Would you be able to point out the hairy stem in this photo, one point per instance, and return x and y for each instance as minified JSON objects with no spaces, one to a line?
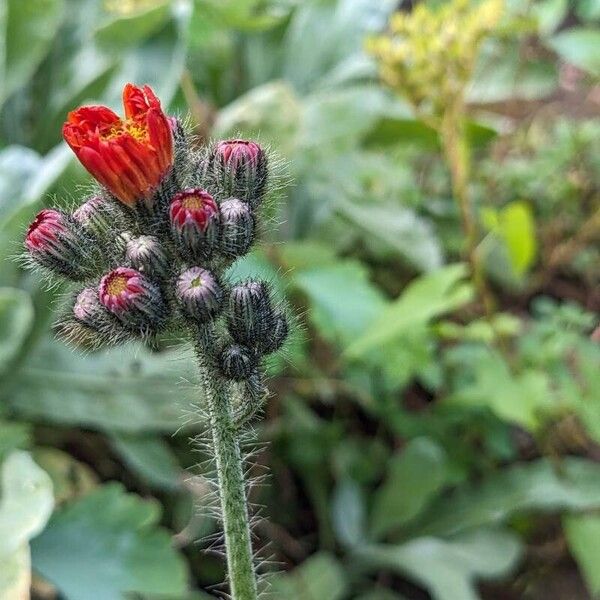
{"x":232,"y":487}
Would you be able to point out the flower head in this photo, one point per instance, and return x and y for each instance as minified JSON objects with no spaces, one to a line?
{"x":120,"y":289}
{"x":195,"y":221}
{"x":133,"y":298}
{"x":129,"y":156}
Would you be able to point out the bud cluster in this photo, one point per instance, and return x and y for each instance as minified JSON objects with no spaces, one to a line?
{"x":428,"y":54}
{"x":151,"y":248}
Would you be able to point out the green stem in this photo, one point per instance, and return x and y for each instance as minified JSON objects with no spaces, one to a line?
{"x":232,"y":487}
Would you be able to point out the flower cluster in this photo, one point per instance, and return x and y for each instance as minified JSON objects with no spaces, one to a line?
{"x":428,"y":54}
{"x":153,"y":244}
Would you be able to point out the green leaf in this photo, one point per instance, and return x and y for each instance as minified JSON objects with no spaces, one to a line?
{"x":501,"y":75}
{"x":517,"y":228}
{"x":425,"y":298}
{"x":390,"y":131}
{"x":448,"y":569}
{"x":348,"y":512}
{"x":572,"y":485}
{"x":107,"y":544}
{"x":343,"y":301}
{"x":130,"y":29}
{"x":16,"y":320}
{"x":579,"y":46}
{"x":126,"y":389}
{"x":18,"y":165}
{"x":320,"y":576}
{"x":26,"y":502}
{"x":151,"y":458}
{"x":521,"y":398}
{"x":271,"y":113}
{"x":588,"y":10}
{"x":583,"y":537}
{"x":30,"y":28}
{"x":13,"y":435}
{"x":413,"y":478}
{"x":550,"y":14}
{"x":401,"y":229}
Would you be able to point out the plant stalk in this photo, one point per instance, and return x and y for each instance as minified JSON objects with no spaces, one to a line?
{"x":231,"y":483}
{"x":458,"y":157}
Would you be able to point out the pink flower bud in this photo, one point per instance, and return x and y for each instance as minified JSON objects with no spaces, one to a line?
{"x":239,"y":169}
{"x":86,"y":306}
{"x":239,"y":153}
{"x":199,"y":294}
{"x":132,"y":297}
{"x":56,"y":242}
{"x":195,"y":222}
{"x":98,"y":216}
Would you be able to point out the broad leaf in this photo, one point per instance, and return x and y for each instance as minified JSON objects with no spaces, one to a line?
{"x":151,"y":458}
{"x":425,"y":298}
{"x":16,"y":319}
{"x":572,"y":485}
{"x":30,"y":28}
{"x":26,"y":502}
{"x":343,"y":301}
{"x":448,"y":569}
{"x":320,"y":576}
{"x":125,"y":389}
{"x":583,"y":537}
{"x":414,"y":477}
{"x":107,"y":544}
{"x":579,"y":46}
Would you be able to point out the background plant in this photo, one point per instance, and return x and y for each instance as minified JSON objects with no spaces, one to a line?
{"x":371,"y":216}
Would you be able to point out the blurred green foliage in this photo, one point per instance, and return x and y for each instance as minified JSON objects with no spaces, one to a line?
{"x":414,"y":444}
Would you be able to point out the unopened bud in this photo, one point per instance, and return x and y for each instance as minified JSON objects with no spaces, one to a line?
{"x":278,"y":334}
{"x":239,"y":168}
{"x":195,"y":223}
{"x":98,"y":215}
{"x":237,"y":227}
{"x":146,"y":254}
{"x":199,"y":294}
{"x":87,"y":308}
{"x":238,"y":362}
{"x":251,"y":317}
{"x":132,"y":298}
{"x":57,"y":242}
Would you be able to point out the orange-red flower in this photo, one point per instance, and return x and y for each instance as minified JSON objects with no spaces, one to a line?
{"x":128,"y":156}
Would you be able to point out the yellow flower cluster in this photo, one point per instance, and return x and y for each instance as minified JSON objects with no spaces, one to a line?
{"x":428,"y":55}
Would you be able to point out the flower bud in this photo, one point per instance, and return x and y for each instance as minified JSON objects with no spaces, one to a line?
{"x":96,"y":215}
{"x":57,"y":242}
{"x":132,"y":298}
{"x":240,"y":170}
{"x":237,"y":227}
{"x":278,"y":334}
{"x":251,"y":317}
{"x":195,"y":223}
{"x":237,"y":362}
{"x":88,"y":310}
{"x":146,"y":254}
{"x":199,"y":294}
